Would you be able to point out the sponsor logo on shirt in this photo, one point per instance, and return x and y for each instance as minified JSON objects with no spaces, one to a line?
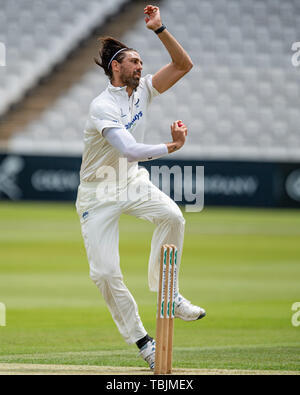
{"x":135,"y":118}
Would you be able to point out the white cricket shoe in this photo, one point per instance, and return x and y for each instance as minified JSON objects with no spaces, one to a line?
{"x":186,"y":311}
{"x":147,"y":352}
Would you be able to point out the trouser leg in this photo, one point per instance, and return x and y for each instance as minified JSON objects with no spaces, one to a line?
{"x":101,"y":237}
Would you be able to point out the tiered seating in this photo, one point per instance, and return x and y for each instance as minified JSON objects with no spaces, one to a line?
{"x":241,"y":99}
{"x":39,"y":34}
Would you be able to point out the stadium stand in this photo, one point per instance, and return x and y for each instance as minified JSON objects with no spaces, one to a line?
{"x":241,"y":99}
{"x":41,"y":33}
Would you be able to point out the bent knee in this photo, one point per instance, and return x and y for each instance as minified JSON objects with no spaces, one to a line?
{"x":100,"y":278}
{"x":175,"y":217}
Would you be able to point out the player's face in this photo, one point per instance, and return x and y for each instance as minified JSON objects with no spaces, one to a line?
{"x":131,"y":69}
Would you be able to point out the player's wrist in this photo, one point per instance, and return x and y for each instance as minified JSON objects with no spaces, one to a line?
{"x":174,"y":146}
{"x":159,"y":29}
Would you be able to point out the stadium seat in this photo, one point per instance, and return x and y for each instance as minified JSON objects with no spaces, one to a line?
{"x":240,"y":99}
{"x":43,"y":35}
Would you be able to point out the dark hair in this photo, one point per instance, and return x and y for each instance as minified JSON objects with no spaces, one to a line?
{"x":109,"y":46}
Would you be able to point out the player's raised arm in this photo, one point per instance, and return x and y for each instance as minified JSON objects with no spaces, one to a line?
{"x":181,"y":62}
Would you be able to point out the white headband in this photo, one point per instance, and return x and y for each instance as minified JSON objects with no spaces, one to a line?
{"x":122,"y":49}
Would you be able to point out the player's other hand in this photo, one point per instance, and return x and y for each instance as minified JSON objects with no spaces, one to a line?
{"x":152,"y":17}
{"x":179,"y":132}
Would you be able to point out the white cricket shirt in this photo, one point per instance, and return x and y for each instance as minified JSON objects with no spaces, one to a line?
{"x":113,"y":108}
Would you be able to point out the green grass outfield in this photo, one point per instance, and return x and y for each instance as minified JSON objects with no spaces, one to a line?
{"x":242,"y":266}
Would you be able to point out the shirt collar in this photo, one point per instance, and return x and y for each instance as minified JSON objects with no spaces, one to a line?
{"x":122,"y":89}
{"x":116,"y":88}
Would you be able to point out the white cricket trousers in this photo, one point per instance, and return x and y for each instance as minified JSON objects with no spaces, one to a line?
{"x":100,"y":229}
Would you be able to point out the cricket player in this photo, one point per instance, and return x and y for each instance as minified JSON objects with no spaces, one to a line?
{"x":114,"y":133}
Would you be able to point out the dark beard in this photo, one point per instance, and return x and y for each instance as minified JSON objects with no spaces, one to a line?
{"x":131,"y":82}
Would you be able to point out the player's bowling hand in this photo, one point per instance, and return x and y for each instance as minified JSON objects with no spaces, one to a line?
{"x":179,"y":132}
{"x":152,"y":17}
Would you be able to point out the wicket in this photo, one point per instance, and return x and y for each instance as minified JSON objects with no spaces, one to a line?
{"x":165,"y":310}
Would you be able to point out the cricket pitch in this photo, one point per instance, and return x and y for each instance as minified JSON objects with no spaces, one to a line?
{"x":41,"y":369}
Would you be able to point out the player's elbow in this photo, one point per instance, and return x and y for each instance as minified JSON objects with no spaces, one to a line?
{"x":190,"y":66}
{"x":129,"y":155}
{"x":185,"y":67}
